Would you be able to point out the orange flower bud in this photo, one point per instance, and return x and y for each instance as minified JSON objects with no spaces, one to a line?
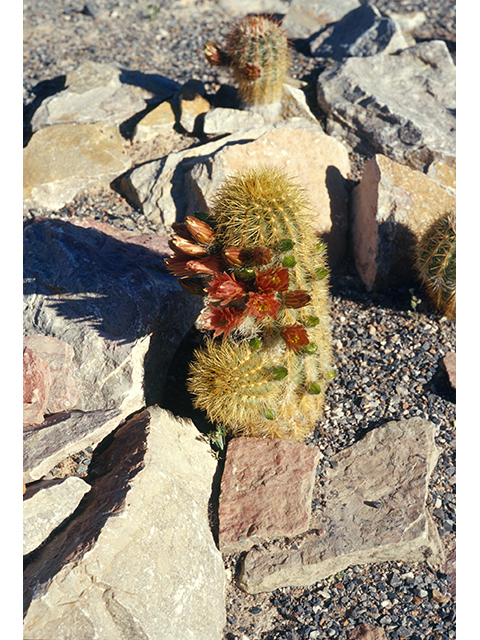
{"x":180,"y":246}
{"x":201,"y":231}
{"x":297,"y":299}
{"x":193,"y":285}
{"x":261,"y":255}
{"x":235,"y":256}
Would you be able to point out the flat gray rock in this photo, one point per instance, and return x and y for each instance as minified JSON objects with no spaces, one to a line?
{"x":107,"y":294}
{"x":306,"y":17}
{"x":46,"y":506}
{"x":376,"y":496}
{"x":138,"y":560}
{"x":402,"y":106}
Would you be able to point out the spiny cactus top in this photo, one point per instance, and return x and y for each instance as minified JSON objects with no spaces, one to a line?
{"x":257,"y":51}
{"x":436,"y":254}
{"x":256,"y":258}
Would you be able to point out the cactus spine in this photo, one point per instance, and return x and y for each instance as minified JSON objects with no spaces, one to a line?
{"x":436,"y":263}
{"x":265,"y":370}
{"x":257,"y":51}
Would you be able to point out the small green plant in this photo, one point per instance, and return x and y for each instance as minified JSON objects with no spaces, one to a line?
{"x":265,"y":366}
{"x":257,"y":51}
{"x":218,"y":440}
{"x":152,"y":11}
{"x":414,"y":303}
{"x":435,"y":261}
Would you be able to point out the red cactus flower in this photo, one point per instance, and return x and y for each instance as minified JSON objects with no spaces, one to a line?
{"x":295,"y":336}
{"x":297,"y":299}
{"x":183,"y":265}
{"x":261,"y":255}
{"x":222,"y":319}
{"x":180,"y":245}
{"x":201,"y":231}
{"x":272,"y":280}
{"x":224,"y":288}
{"x":235,"y":256}
{"x":262,"y":304}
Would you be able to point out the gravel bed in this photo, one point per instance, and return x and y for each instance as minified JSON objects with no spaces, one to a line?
{"x":388,"y":346}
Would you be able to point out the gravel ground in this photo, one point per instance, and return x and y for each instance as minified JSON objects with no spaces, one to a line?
{"x":388,"y":348}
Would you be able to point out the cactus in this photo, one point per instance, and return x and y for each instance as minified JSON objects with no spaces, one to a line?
{"x":436,"y":263}
{"x":257,"y":51}
{"x":265,"y":369}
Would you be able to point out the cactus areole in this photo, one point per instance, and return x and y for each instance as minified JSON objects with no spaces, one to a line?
{"x":265,"y":366}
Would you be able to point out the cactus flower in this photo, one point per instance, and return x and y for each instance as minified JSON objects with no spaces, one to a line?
{"x":272,"y":280}
{"x":200,"y":230}
{"x":181,"y":246}
{"x":193,"y":285}
{"x":261,"y":255}
{"x":261,"y":305}
{"x":224,"y":288}
{"x":297,"y":299}
{"x":222,"y":319}
{"x":235,"y":256}
{"x":295,"y":336}
{"x":183,"y":265}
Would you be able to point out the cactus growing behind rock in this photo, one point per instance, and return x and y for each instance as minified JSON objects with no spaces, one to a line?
{"x":257,"y":51}
{"x":436,"y":263}
{"x":265,"y":370}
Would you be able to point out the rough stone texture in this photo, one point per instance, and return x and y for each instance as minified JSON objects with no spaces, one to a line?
{"x":391,"y":208}
{"x":48,"y":443}
{"x":306,"y":17}
{"x":64,"y":390}
{"x":402,"y":106}
{"x":367,"y":632}
{"x":319,"y":164}
{"x":450,"y":364}
{"x":450,"y":568}
{"x":221,"y":120}
{"x":376,"y":496}
{"x":445,"y":174}
{"x":37,"y":380}
{"x":107,"y":294}
{"x":361,"y":32}
{"x":46,"y":506}
{"x":266,"y":491}
{"x":158,"y":187}
{"x":97,"y":92}
{"x":61,"y":161}
{"x":157,"y":122}
{"x":139,"y":561}
{"x":243,"y":7}
{"x":192,"y":104}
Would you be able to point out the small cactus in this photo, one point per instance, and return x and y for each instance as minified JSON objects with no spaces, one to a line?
{"x":436,"y":263}
{"x":257,"y":51}
{"x":265,"y":369}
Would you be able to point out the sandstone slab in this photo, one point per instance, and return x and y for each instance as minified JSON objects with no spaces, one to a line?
{"x":157,"y":122}
{"x":391,"y":208}
{"x":450,"y":363}
{"x":97,"y":92}
{"x":376,"y":495}
{"x":107,"y":294}
{"x":139,"y":560}
{"x":402,"y":106}
{"x":364,"y":31}
{"x":58,"y":436}
{"x":306,"y":17}
{"x":37,"y":380}
{"x":46,"y":506}
{"x":224,"y":120}
{"x":64,"y":390}
{"x":192,"y":104}
{"x":266,"y":491}
{"x":61,"y":161}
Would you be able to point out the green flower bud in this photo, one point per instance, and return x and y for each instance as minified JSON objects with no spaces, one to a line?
{"x":285,"y":245}
{"x":255,"y":344}
{"x":314,"y":388}
{"x":270,"y":414}
{"x":311,"y":321}
{"x":310,"y":348}
{"x":289,"y":261}
{"x":279,"y":373}
{"x":321,"y":273}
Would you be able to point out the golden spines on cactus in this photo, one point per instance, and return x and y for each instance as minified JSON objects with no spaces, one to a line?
{"x":436,"y":263}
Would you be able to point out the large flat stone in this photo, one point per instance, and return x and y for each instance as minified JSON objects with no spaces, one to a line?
{"x":376,"y":496}
{"x":266,"y":491}
{"x":306,"y":17}
{"x":391,"y":209}
{"x":138,"y":560}
{"x":402,"y":106}
{"x":107,"y":294}
{"x":62,"y":160}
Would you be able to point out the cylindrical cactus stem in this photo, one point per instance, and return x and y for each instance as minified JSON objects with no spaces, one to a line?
{"x":257,"y":51}
{"x":436,"y":263}
{"x":266,"y":370}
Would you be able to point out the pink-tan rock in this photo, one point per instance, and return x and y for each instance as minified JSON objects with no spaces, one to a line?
{"x":391,"y":208}
{"x":266,"y":491}
{"x":37,"y":380}
{"x":450,"y":364}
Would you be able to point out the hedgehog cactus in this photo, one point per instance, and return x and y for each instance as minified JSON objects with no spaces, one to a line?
{"x":257,"y":51}
{"x":436,"y":263}
{"x":264,"y":370}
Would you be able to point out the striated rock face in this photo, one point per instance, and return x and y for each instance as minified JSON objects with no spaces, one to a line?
{"x":376,"y":495}
{"x":139,"y":561}
{"x":37,"y":381}
{"x":106,"y":293}
{"x":61,"y":161}
{"x":266,"y":491}
{"x":391,"y":208}
{"x":402,"y":106}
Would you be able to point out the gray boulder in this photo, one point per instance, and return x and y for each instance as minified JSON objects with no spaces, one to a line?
{"x":376,"y":511}
{"x":107,"y":294}
{"x":306,"y":17}
{"x":402,"y":106}
{"x":138,"y":560}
